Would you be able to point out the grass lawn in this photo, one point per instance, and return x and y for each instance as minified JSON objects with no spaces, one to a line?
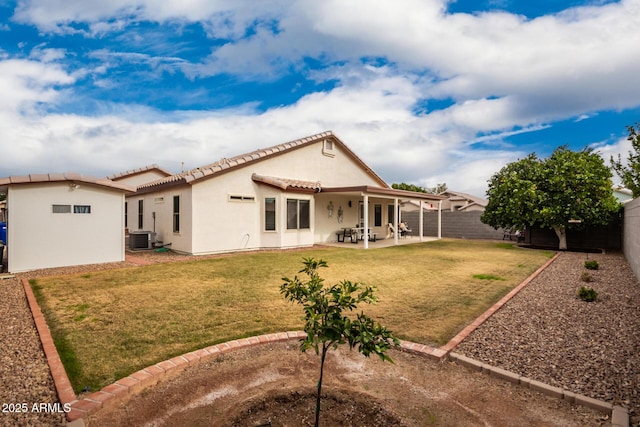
{"x":109,"y":324}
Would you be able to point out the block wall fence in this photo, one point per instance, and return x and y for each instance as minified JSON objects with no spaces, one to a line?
{"x":631,"y":235}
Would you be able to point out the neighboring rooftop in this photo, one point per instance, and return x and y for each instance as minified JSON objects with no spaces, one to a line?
{"x":153,"y":167}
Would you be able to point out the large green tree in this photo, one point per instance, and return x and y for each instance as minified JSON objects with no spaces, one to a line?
{"x":630,"y":171}
{"x":568,"y":189}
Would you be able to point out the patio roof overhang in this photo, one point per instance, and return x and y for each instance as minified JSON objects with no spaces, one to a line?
{"x":388,"y":193}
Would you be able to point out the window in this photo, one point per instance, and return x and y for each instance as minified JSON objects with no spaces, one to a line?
{"x":327,"y":148}
{"x":140,"y":214}
{"x":377,"y":215}
{"x":390,"y":216}
{"x":238,"y":198}
{"x":176,"y":214}
{"x":298,"y":214}
{"x":61,"y":209}
{"x":270,"y":214}
{"x":82,"y":209}
{"x":126,"y":210}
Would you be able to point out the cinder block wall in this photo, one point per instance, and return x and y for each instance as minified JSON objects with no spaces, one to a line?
{"x":631,"y":237}
{"x":456,"y":224}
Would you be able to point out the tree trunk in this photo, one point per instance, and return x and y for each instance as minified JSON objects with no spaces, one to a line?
{"x":322,"y":357}
{"x":561,"y":232}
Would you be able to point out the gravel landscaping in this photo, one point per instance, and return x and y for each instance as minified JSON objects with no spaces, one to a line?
{"x":548,"y":334}
{"x":545,"y":333}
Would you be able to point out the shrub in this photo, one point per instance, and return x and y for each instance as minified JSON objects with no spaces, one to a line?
{"x":586,"y":277}
{"x":591,"y":265}
{"x":587,"y":294}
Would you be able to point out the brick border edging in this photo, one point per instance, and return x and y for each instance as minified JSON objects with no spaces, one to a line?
{"x":60,"y":378}
{"x":453,"y":343}
{"x":619,"y":415}
{"x":118,"y":391}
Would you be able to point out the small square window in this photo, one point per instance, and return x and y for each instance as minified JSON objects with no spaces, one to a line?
{"x":61,"y":208}
{"x":82,"y":209}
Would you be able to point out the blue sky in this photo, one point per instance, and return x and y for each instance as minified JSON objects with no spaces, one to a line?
{"x":424,"y":91}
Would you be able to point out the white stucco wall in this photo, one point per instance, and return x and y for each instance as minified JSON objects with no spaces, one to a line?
{"x":161,"y":203}
{"x":40,"y":238}
{"x":631,"y":239}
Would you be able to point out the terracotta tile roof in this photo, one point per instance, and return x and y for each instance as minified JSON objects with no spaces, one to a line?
{"x":226,"y":164}
{"x":67,"y":176}
{"x":154,"y":166}
{"x":288,"y":184}
{"x":458,"y":196}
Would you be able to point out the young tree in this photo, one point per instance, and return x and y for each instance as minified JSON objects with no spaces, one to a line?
{"x":567,"y":187}
{"x":630,"y":172}
{"x":325,"y":324}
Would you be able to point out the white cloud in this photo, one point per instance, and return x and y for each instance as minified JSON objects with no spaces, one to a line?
{"x":24,"y":84}
{"x":506,"y":73}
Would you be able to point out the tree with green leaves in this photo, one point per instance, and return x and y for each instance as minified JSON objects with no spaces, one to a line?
{"x":568,"y":189}
{"x":325,"y":324}
{"x":629,"y":172}
{"x":439,"y":188}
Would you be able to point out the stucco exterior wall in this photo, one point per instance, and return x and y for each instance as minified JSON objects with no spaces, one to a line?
{"x":40,"y":238}
{"x":631,"y":238}
{"x":161,"y":203}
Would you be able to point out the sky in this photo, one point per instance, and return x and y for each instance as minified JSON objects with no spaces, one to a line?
{"x":424,"y":91}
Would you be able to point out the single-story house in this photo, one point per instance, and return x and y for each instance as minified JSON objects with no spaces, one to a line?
{"x":63,"y":219}
{"x":295,"y":194}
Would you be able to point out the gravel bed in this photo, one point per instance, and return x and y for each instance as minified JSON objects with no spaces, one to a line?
{"x":24,"y":372}
{"x":548,"y":334}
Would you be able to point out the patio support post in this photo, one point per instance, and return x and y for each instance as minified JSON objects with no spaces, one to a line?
{"x":396,"y":220}
{"x":420,"y":216}
{"x":439,"y":219}
{"x":366,"y":222}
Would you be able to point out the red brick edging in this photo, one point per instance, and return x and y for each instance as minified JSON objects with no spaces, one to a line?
{"x":113,"y":393}
{"x":447,"y":348}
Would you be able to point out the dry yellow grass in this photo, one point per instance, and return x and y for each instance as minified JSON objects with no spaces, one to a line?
{"x":109,"y":324}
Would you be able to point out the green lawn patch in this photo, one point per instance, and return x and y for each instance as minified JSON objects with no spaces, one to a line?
{"x":112,"y":323}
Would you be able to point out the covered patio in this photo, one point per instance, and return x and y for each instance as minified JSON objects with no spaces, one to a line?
{"x":374,"y":213}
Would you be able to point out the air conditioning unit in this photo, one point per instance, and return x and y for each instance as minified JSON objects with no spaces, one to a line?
{"x":139,"y":240}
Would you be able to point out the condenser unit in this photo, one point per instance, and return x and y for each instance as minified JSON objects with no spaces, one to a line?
{"x":139,"y":240}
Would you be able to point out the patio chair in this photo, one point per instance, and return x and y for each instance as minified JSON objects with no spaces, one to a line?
{"x":404,"y":230}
